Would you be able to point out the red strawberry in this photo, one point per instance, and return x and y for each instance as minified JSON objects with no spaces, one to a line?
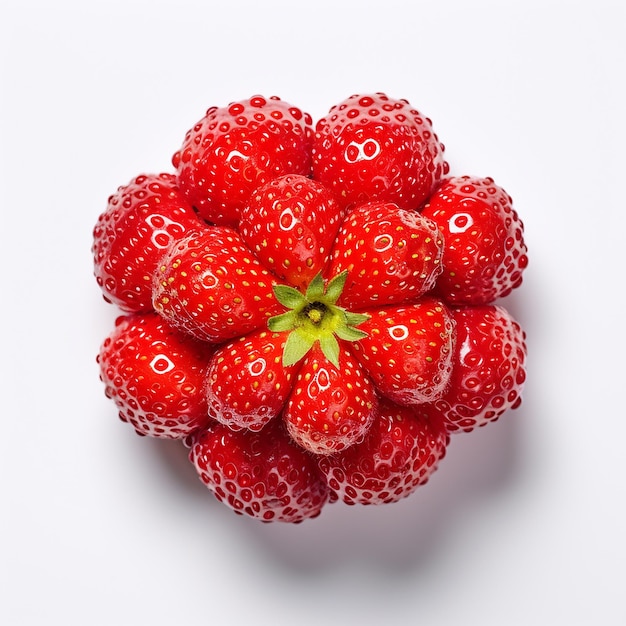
{"x":247,"y":384}
{"x":210,"y":285}
{"x":260,"y":474}
{"x":291,"y":223}
{"x":489,"y":368}
{"x":330,"y":408}
{"x":155,"y":376}
{"x":373,"y":147}
{"x":139,"y":223}
{"x":391,"y":255}
{"x":296,"y":330}
{"x":235,"y":149}
{"x":485,"y":253}
{"x":400,"y":453}
{"x":408,"y":350}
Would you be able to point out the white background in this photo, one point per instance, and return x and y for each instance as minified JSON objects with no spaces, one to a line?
{"x":523,"y":523}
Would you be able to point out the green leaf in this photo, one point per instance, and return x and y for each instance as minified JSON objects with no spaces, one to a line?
{"x":297,"y":345}
{"x":283,"y":322}
{"x":354,"y":319}
{"x":348,"y":333}
{"x":289,"y":297}
{"x":315,"y":290}
{"x":330,"y":348}
{"x":335,"y":287}
{"x":314,"y":316}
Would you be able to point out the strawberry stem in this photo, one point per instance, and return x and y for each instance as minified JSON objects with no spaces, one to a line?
{"x":314,"y":316}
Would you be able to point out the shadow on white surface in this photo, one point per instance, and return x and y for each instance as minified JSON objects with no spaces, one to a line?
{"x":396,"y":538}
{"x":407,"y":534}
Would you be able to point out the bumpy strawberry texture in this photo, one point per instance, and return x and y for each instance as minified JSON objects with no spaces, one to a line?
{"x":314,"y":311}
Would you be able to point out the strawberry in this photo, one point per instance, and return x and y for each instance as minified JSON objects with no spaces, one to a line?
{"x":408,"y":350}
{"x":260,"y":474}
{"x":210,"y":285}
{"x":391,"y":255}
{"x":155,"y":376}
{"x":291,"y":223}
{"x":233,"y":150}
{"x":139,"y":223}
{"x":400,"y":452}
{"x":485,"y":253}
{"x":247,"y":384}
{"x":489,"y":368}
{"x":312,"y":313}
{"x":372,"y":147}
{"x":330,"y":408}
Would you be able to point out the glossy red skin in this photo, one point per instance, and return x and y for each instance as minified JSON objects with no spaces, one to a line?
{"x":489,"y":368}
{"x":399,"y":454}
{"x":260,"y":474}
{"x":290,"y":224}
{"x":233,"y":150}
{"x":485,"y":253}
{"x":330,"y":409}
{"x":211,"y":286}
{"x":155,"y":374}
{"x":264,"y":439}
{"x":408,"y":350}
{"x":372,"y":147}
{"x":140,"y":221}
{"x":392,"y":255}
{"x":246,"y":384}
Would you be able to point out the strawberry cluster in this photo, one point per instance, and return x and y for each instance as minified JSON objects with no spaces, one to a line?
{"x":311,"y":309}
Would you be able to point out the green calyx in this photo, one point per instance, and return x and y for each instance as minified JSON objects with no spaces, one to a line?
{"x":314,"y":316}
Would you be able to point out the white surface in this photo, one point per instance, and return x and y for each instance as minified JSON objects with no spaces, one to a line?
{"x":524,"y":522}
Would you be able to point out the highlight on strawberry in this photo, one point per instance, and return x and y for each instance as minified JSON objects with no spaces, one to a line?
{"x":314,"y":311}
